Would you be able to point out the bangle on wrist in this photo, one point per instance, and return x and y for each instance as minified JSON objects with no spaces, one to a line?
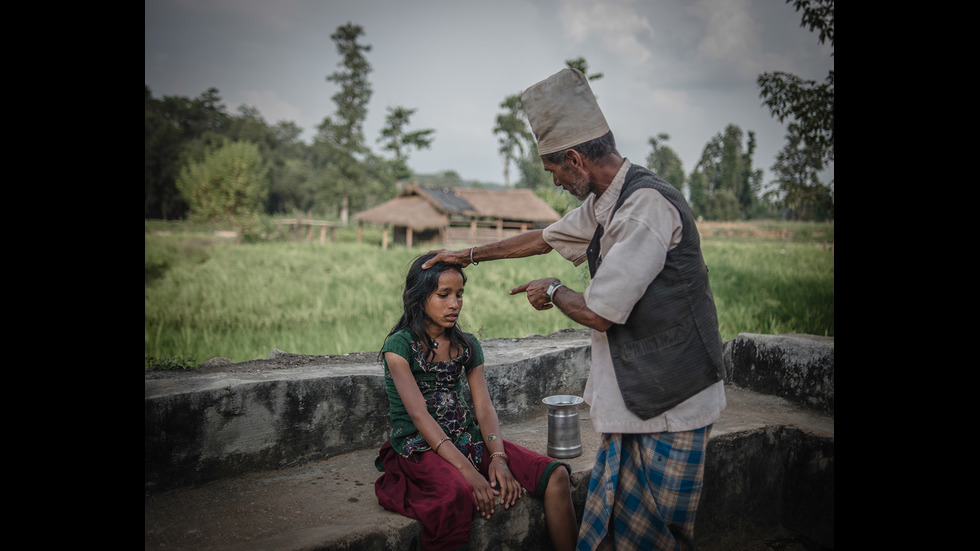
{"x":436,"y":449}
{"x":498,"y":454}
{"x":473,"y":262}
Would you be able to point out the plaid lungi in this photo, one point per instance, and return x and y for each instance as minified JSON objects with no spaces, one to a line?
{"x":644,"y":492}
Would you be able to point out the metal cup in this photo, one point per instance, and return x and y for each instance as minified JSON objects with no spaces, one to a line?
{"x":564,"y":437}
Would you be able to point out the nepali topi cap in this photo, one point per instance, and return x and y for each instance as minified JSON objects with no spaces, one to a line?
{"x":563,"y":111}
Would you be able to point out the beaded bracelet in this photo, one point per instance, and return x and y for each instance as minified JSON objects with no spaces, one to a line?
{"x":439,"y":444}
{"x":492,"y":455}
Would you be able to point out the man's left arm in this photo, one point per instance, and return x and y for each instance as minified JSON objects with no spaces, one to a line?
{"x":570,"y":302}
{"x":638,"y":239}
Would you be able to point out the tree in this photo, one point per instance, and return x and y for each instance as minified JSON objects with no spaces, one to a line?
{"x":512,"y":133}
{"x":749,"y":184}
{"x":665,"y":162}
{"x":162,"y":141}
{"x":292,"y":186}
{"x":355,"y":91}
{"x":293,"y":189}
{"x":447,"y":178}
{"x":357,"y":180}
{"x":171,"y":125}
{"x":287,"y":159}
{"x":809,"y":104}
{"x":700,"y":199}
{"x":341,"y":140}
{"x":533,"y":176}
{"x":798,"y":186}
{"x":582,"y":65}
{"x":228,"y":185}
{"x":397,"y":141}
{"x":723,"y":184}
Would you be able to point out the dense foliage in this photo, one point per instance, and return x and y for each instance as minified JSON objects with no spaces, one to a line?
{"x":810,"y":135}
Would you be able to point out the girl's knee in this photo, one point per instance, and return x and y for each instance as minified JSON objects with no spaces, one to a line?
{"x":559,"y":480}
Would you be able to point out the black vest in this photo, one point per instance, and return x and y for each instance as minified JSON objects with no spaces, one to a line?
{"x":669,"y":348}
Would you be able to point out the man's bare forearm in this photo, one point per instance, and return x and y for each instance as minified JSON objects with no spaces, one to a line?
{"x":572,"y":304}
{"x":526,"y":244}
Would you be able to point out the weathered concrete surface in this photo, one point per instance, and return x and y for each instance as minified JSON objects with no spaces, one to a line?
{"x":203,"y":427}
{"x":769,"y":474}
{"x":330,"y":504}
{"x":799,"y":368}
{"x":761,"y":484}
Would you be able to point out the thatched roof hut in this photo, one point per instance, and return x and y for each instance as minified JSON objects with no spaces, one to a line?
{"x":410,"y":212}
{"x":459,"y":216}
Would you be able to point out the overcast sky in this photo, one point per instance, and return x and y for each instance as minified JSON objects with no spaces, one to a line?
{"x":682,"y":67}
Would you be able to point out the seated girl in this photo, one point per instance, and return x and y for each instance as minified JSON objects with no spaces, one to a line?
{"x":446,"y":460}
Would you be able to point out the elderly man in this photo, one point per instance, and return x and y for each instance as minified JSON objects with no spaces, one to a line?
{"x":655,"y":385}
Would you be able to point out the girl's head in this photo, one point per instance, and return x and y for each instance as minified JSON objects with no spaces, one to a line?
{"x":433,"y":296}
{"x":432,"y":301}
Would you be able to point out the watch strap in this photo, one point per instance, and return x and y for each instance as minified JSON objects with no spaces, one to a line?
{"x":551,"y":290}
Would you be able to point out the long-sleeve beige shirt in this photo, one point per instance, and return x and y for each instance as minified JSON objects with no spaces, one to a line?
{"x":634,"y":248}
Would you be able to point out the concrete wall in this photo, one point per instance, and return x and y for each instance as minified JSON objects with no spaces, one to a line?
{"x":799,"y":368}
{"x":765,"y":484}
{"x":202,"y":427}
{"x":761,"y":483}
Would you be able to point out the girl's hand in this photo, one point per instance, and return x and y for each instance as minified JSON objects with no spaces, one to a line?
{"x":483,"y":493}
{"x":503,"y":479}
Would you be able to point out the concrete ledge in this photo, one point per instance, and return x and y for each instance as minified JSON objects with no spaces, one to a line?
{"x":799,"y":368}
{"x":766,"y":483}
{"x":200,"y":427}
{"x":252,"y":459}
{"x":766,"y":460}
{"x":519,"y":528}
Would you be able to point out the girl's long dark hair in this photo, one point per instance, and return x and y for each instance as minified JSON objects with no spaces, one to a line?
{"x":419,"y":285}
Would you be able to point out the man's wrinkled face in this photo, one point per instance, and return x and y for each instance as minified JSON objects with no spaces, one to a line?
{"x":569,"y":177}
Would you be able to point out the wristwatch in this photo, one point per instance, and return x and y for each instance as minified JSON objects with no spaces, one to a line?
{"x":551,"y":290}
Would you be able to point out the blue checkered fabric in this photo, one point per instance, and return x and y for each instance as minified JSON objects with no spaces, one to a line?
{"x":644,"y":492}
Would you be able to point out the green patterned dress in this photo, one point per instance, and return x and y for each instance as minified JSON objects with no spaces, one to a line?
{"x":441,"y":386}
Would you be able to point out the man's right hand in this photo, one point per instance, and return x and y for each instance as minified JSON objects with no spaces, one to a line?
{"x":453,"y":257}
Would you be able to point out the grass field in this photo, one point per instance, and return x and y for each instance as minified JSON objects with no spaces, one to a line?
{"x":205,"y":296}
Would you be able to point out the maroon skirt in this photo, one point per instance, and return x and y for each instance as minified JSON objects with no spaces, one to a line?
{"x":429,"y":489}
